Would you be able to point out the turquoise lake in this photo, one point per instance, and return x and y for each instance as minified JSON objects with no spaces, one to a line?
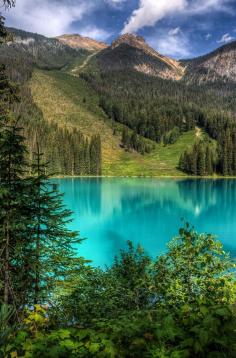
{"x":109,"y":212}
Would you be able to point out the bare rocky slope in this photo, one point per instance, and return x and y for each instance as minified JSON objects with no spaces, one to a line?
{"x":77,"y":41}
{"x":172,"y":68}
{"x":219,"y":65}
{"x":132,"y":52}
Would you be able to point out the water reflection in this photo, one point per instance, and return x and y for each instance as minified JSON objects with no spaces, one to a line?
{"x":148,"y":211}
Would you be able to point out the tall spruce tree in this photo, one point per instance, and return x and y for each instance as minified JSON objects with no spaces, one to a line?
{"x":13,"y":205}
{"x":12,"y":188}
{"x":12,"y":153}
{"x":3,"y":31}
{"x":36,"y":248}
{"x":209,"y":161}
{"x":53,"y":245}
{"x":201,"y":161}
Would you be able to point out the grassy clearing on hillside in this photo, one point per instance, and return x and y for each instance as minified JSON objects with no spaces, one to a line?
{"x":69,"y":101}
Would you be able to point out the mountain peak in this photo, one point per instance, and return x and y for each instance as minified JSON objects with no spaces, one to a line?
{"x":176,"y":70}
{"x":77,"y":41}
{"x":130,"y":39}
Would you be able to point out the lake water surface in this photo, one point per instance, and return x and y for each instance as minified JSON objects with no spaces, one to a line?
{"x":108,"y":212}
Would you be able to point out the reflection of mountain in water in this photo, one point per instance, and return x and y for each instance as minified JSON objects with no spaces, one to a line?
{"x":105,"y":197}
{"x":111,"y":211}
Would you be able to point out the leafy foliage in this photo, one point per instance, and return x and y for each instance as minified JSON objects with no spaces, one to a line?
{"x":206,"y":277}
{"x":142,"y":308}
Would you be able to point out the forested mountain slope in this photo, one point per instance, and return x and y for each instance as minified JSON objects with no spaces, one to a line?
{"x":161,"y":109}
{"x":23,"y":50}
{"x":218,"y":66}
{"x":69,"y":102}
{"x":124,"y":109}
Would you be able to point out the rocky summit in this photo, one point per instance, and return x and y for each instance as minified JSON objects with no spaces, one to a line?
{"x":79,"y":42}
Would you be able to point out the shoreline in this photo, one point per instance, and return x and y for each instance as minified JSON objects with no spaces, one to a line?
{"x":141,"y":177}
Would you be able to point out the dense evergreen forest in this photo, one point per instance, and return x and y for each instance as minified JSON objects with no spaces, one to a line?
{"x":161,"y":110}
{"x":67,"y":150}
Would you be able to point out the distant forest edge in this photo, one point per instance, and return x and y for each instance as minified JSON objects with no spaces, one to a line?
{"x":145,"y":112}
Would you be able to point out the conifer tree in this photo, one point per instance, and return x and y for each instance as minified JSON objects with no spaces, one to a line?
{"x":224,"y":158}
{"x":53,"y":253}
{"x":13,"y":203}
{"x":3,"y":31}
{"x":125,"y":138}
{"x":194,"y":160}
{"x":134,"y":141}
{"x":12,"y":188}
{"x":12,"y":166}
{"x":209,"y":161}
{"x":184,"y":162}
{"x":201,"y":161}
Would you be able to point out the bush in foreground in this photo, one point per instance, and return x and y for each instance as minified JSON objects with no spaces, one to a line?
{"x":181,"y":305}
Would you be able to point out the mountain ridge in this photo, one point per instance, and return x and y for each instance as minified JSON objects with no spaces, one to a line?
{"x":139,"y":42}
{"x":140,"y":105}
{"x":219,"y":64}
{"x":132,"y":52}
{"x":77,"y":41}
{"x":127,"y":51}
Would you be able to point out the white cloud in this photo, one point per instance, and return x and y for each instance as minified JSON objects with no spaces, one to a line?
{"x":115,"y":2}
{"x":208,"y":36}
{"x":204,"y":6}
{"x":48,"y":17}
{"x":150,"y":12}
{"x":171,"y":44}
{"x":225,"y":38}
{"x":95,"y":33}
{"x":175,"y":31}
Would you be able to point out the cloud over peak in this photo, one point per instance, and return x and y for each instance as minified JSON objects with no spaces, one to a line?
{"x":226,"y":38}
{"x":56,"y":17}
{"x":172,"y":43}
{"x":49,"y":18}
{"x":150,"y":12}
{"x":175,"y":27}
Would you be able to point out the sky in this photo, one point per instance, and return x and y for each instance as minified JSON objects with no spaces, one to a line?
{"x":177,"y":28}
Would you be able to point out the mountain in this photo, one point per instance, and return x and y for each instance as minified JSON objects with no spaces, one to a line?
{"x":79,"y":42}
{"x":148,"y":109}
{"x":219,"y":65}
{"x":128,"y":52}
{"x":161,"y":99}
{"x":132,"y":52}
{"x":25,"y":50}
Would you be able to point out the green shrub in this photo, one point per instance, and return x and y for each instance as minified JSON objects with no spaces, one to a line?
{"x":181,"y":305}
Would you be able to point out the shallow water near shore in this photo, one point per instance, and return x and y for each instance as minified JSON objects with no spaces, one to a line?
{"x":111,"y":211}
